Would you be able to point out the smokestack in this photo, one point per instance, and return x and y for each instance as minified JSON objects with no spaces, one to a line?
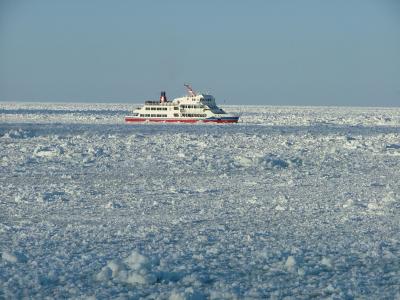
{"x":163,"y":97}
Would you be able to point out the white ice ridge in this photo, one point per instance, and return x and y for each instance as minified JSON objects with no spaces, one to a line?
{"x":135,"y":269}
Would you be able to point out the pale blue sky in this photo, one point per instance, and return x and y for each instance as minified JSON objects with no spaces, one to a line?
{"x":310,"y":52}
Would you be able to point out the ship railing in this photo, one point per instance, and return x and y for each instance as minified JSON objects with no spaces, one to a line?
{"x":157,"y":103}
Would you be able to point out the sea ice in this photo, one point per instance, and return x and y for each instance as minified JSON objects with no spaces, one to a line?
{"x":293,"y":202}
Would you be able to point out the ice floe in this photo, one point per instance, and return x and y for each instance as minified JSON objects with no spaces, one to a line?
{"x":293,"y":202}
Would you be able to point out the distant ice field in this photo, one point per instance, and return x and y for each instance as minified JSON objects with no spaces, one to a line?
{"x":260,"y":115}
{"x":291,"y":202}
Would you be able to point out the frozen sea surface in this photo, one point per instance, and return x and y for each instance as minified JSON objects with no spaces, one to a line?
{"x":292,"y":202}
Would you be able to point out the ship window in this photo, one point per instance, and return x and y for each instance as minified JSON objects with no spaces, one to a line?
{"x":176,"y":115}
{"x":176,"y":107}
{"x":147,"y":108}
{"x":153,"y":108}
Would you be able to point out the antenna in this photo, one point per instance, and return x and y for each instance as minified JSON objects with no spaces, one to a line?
{"x":190,"y":90}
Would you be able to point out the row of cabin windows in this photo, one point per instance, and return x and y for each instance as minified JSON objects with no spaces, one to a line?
{"x":153,"y":115}
{"x":156,"y":108}
{"x":191,"y":106}
{"x":194,"y":115}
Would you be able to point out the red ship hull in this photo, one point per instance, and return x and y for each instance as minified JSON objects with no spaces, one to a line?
{"x":180,"y":120}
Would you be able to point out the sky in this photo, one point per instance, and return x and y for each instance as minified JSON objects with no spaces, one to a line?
{"x":264,"y":52}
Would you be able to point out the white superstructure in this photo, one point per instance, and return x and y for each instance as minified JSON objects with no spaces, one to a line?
{"x":188,"y":109}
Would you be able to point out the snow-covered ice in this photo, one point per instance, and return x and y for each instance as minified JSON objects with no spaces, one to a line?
{"x":291,"y":202}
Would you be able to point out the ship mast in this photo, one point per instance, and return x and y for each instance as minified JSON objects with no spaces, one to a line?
{"x":190,"y":90}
